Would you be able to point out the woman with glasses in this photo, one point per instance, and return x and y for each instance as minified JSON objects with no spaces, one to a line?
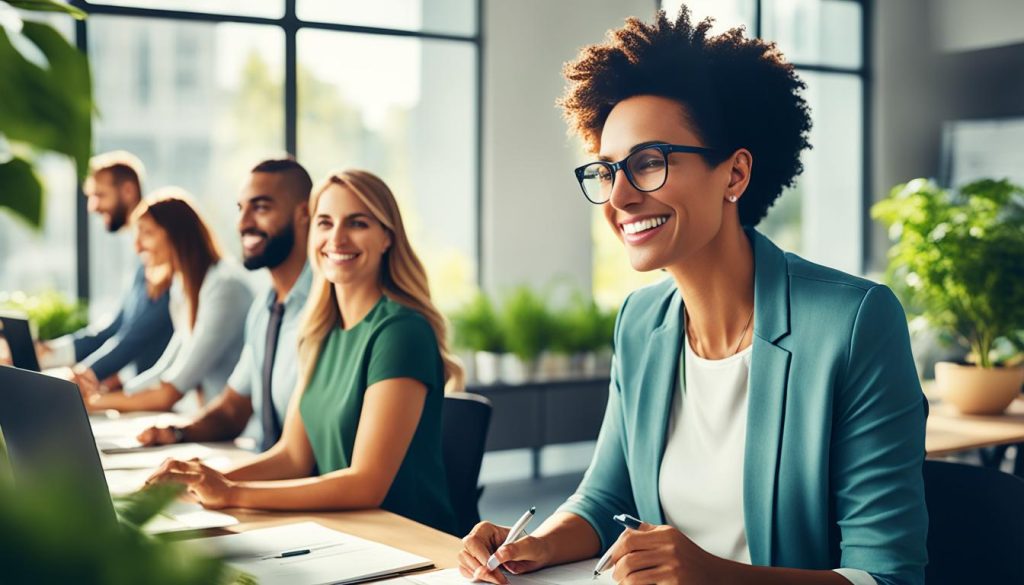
{"x":765,"y":418}
{"x":364,"y":426}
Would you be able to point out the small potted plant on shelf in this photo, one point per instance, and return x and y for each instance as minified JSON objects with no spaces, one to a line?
{"x":958,"y":259}
{"x":529,"y":329}
{"x":586,"y":333}
{"x":477,"y":329}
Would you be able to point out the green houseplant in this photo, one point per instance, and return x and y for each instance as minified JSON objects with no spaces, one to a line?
{"x":958,"y":260}
{"x":50,"y":312}
{"x":529,"y":330}
{"x":47,"y":536}
{"x":477,"y":329}
{"x":46,"y":104}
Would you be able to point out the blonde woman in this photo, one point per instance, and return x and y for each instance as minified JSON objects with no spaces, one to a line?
{"x":364,"y":427}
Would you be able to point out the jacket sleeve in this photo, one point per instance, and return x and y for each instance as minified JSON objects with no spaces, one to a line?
{"x":606,"y":489}
{"x":878,"y":448}
{"x":149,"y":325}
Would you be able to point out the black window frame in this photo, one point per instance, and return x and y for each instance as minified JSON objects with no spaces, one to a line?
{"x":290,"y":24}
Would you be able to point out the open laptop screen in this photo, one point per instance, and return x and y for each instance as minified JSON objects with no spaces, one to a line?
{"x":15,"y":330}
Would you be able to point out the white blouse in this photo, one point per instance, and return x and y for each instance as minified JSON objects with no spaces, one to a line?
{"x":204,"y":355}
{"x":701,"y":479}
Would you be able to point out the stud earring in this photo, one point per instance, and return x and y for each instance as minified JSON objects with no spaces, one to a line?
{"x":732,"y":198}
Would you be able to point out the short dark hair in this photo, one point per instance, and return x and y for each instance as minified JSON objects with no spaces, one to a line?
{"x":300,"y":181}
{"x":123,"y":167}
{"x":736,"y":93}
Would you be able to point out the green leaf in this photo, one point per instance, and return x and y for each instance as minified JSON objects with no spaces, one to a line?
{"x":48,"y":6}
{"x":51,"y":107}
{"x":21,"y":191}
{"x":138,"y":508}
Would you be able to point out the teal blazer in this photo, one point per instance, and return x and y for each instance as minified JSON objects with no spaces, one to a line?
{"x":835,"y":424}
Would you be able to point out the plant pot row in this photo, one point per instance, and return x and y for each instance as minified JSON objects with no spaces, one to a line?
{"x":484,"y":367}
{"x":974,"y":390}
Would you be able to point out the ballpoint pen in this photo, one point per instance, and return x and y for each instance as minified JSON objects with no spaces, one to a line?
{"x":513,"y":535}
{"x":627,"y":521}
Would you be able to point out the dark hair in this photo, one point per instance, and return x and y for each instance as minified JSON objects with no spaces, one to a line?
{"x":735,"y":92}
{"x":123,"y":167}
{"x":193,"y":244}
{"x":300,"y":180}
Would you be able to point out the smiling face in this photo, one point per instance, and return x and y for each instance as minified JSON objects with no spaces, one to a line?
{"x":109,"y":199}
{"x":152,"y":243}
{"x":665,"y":226}
{"x":346,"y":240}
{"x":267,"y":221}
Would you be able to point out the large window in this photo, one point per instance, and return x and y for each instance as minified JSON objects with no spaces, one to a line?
{"x":201,"y":91}
{"x":822,"y":217}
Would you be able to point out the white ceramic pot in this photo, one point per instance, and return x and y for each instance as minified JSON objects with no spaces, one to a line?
{"x":488,"y":367}
{"x":552,"y":366}
{"x":514,"y":370}
{"x":468,"y":361}
{"x":974,"y":390}
{"x":602,"y":363}
{"x":582,"y":365}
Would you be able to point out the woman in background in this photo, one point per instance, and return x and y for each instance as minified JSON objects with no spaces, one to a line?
{"x":208,"y":303}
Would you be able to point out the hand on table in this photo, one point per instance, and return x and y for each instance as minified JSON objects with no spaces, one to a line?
{"x":210,"y":487}
{"x":522,"y":556}
{"x":157,"y":436}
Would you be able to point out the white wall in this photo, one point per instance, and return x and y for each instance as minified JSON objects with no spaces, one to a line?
{"x":968,"y":25}
{"x":536,"y":223}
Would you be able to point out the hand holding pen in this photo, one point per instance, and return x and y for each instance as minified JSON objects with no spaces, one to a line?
{"x":497,"y":546}
{"x":645,"y":553}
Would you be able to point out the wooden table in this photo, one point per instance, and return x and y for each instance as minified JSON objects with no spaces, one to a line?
{"x":376,"y":525}
{"x":951,"y":432}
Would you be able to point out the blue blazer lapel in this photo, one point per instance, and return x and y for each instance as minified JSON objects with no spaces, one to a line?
{"x":660,"y":366}
{"x":769,"y":372}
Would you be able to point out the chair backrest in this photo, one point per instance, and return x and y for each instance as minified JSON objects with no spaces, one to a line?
{"x":976,"y":524}
{"x":465,"y":420}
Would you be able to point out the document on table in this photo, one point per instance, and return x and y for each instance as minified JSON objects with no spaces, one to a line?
{"x":180,"y":516}
{"x":152,"y":457}
{"x":115,"y":433}
{"x":581,"y":573}
{"x":315,"y":555}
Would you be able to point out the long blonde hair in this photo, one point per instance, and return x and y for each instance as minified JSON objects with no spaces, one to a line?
{"x":402,"y":279}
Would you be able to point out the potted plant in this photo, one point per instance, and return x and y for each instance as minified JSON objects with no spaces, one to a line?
{"x":584,"y":333}
{"x":529,"y":329}
{"x":958,"y":259}
{"x":50,"y":313}
{"x":477,"y":329}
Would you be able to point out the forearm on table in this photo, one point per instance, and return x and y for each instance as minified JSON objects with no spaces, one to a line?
{"x":221,"y":420}
{"x":277,"y":463}
{"x":569,"y":538}
{"x":341,"y":490}
{"x":158,"y":398}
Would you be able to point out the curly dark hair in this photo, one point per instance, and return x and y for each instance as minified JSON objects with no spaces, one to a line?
{"x":736,"y":93}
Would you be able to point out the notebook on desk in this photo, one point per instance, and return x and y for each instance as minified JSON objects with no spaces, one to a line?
{"x":46,"y":430}
{"x":309,"y":553}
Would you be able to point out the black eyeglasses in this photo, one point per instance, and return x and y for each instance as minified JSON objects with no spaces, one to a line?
{"x":646,"y":169}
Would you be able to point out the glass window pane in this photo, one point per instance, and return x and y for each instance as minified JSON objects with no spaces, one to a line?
{"x":815,"y":32}
{"x":821,"y":217}
{"x":406,"y":111}
{"x":39,"y":260}
{"x":456,"y":17}
{"x":261,"y":8}
{"x":727,"y":13}
{"x":199,"y":103}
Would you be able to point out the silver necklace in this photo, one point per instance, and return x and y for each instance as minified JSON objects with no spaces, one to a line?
{"x":736,"y":350}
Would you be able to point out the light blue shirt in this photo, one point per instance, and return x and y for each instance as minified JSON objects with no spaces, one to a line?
{"x":247,"y":378}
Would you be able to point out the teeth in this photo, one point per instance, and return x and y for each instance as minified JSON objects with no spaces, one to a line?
{"x":339,"y":257}
{"x":644,"y":224}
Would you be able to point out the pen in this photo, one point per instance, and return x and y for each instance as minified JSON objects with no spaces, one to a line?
{"x":302,"y":551}
{"x":293,"y":553}
{"x":626,"y":521}
{"x":513,"y":535}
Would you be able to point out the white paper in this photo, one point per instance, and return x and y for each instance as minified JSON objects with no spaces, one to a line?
{"x":182,"y":515}
{"x":580,"y":573}
{"x":335,"y":557}
{"x":151,"y":458}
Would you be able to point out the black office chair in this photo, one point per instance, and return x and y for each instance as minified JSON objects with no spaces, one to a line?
{"x":465,"y":420}
{"x":976,"y":524}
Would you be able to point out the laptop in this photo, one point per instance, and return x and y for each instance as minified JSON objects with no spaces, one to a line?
{"x":45,"y":428}
{"x":15,"y":329}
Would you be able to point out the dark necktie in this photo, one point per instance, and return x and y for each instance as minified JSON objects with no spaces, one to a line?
{"x":271,"y":424}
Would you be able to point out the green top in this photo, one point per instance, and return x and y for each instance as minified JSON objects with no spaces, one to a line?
{"x":392,"y":341}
